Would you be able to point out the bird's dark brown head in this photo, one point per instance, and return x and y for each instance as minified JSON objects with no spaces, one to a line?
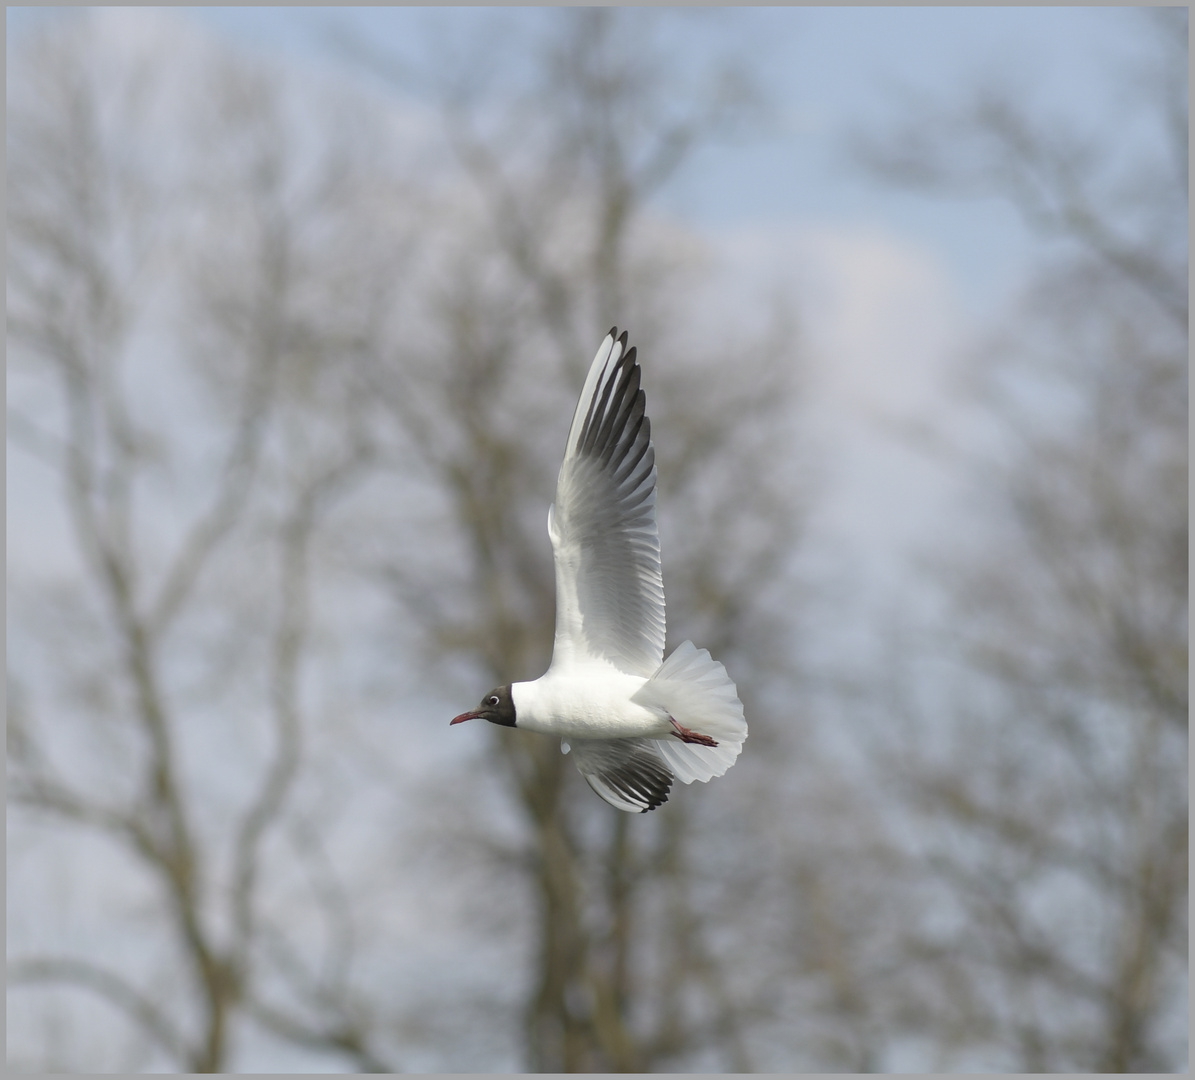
{"x":497,"y":707}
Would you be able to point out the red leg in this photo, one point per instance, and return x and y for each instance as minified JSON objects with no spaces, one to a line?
{"x":685,"y":735}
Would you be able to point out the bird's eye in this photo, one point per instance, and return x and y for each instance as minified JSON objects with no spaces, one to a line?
{"x":493,"y":699}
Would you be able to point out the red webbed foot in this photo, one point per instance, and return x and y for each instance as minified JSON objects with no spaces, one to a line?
{"x":685,"y":735}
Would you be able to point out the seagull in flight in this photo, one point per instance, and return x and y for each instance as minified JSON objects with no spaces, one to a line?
{"x":633,"y":720}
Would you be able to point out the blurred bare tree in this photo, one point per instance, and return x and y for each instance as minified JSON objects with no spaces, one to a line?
{"x":215,"y":340}
{"x":177,"y":317}
{"x":559,"y":151}
{"x":1053,"y":808}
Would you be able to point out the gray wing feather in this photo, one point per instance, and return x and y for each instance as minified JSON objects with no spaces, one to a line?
{"x":609,"y":588}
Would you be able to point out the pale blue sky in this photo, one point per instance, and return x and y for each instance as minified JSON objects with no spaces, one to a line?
{"x":830,"y":68}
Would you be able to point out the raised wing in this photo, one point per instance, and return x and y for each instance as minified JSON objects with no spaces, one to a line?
{"x":609,"y":590}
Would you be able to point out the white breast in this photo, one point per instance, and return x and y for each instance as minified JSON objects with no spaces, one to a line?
{"x":586,"y":706}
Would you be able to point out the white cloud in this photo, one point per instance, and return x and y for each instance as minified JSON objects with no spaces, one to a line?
{"x":881,"y":324}
{"x":878,"y":313}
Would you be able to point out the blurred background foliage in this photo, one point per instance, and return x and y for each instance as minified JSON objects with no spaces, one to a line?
{"x":294,"y":366}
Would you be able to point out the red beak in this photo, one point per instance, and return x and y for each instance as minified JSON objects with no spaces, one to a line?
{"x":463,"y":717}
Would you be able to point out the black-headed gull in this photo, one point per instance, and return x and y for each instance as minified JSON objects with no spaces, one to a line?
{"x":633,"y":720}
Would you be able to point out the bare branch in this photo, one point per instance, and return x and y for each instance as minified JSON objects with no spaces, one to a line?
{"x":289,"y":636}
{"x":112,"y":988}
{"x":346,"y":1039}
{"x":227,"y":505}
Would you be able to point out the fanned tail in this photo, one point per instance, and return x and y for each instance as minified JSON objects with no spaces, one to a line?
{"x":694,"y":689}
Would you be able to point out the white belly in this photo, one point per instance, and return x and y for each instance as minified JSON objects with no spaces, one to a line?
{"x":586,"y":706}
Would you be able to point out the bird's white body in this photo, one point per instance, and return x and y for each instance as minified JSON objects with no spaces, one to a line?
{"x":597,"y":705}
{"x":634,"y":720}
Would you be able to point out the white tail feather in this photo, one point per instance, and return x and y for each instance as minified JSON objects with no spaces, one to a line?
{"x":695,"y":690}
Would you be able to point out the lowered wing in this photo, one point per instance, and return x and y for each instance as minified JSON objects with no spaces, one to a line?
{"x":628,"y":773}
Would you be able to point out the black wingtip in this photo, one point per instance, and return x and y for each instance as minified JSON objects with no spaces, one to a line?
{"x":643,"y":781}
